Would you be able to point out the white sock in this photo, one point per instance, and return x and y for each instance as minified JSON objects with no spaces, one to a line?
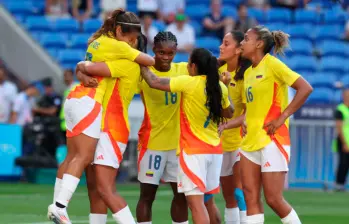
{"x":143,"y":222}
{"x":291,"y":218}
{"x":231,"y":215}
{"x":124,"y":216}
{"x":243,"y":217}
{"x":186,"y":222}
{"x":68,"y":187}
{"x":98,"y":218}
{"x":255,"y":219}
{"x":56,"y":189}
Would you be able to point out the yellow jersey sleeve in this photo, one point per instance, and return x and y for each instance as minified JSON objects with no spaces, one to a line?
{"x":282,"y":72}
{"x":181,"y":83}
{"x":225,"y":98}
{"x":121,"y":68}
{"x":124,"y":50}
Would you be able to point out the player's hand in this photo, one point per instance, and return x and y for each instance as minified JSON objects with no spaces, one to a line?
{"x":221,"y":128}
{"x":87,"y":81}
{"x":244,"y":129}
{"x":226,"y":78}
{"x":272,"y":126}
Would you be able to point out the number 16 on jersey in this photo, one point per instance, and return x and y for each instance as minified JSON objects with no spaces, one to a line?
{"x":249,"y":95}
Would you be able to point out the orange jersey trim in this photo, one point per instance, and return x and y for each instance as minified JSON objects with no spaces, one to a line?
{"x":143,"y":134}
{"x":115,"y":147}
{"x":190,"y":143}
{"x":85,"y":122}
{"x":281,"y":137}
{"x":195,"y":179}
{"x":117,"y":127}
{"x":81,"y":91}
{"x":214,"y":191}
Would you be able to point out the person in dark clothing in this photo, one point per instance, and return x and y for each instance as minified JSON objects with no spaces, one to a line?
{"x":342,"y":126}
{"x":82,"y":9}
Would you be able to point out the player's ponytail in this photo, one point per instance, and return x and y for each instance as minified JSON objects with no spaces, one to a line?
{"x":128,"y":21}
{"x":207,"y":65}
{"x":243,"y":63}
{"x":276,"y":39}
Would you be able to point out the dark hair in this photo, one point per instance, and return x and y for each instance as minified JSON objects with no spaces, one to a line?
{"x":275,"y":39}
{"x":128,"y":21}
{"x":242,"y":4}
{"x":165,"y":36}
{"x":142,"y":42}
{"x":243,"y":63}
{"x":207,"y":65}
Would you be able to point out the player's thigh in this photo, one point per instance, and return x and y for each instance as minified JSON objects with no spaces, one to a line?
{"x":213,"y":174}
{"x":105,"y":178}
{"x":151,"y":166}
{"x":275,"y":158}
{"x":251,"y":175}
{"x":171,"y":168}
{"x":148,"y":192}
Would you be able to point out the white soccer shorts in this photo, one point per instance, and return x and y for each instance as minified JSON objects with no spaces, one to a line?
{"x":229,"y":160}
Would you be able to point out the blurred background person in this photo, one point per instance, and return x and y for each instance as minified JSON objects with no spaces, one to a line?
{"x":259,"y":4}
{"x":23,"y":105}
{"x":169,"y":9}
{"x":8,"y":93}
{"x":342,"y":143}
{"x":148,"y":7}
{"x":148,"y":29}
{"x":108,"y":6}
{"x":184,"y":32}
{"x":82,"y":9}
{"x":57,"y":8}
{"x":215,"y":24}
{"x":244,"y":22}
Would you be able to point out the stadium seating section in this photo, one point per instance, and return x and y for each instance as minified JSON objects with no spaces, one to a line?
{"x":317,"y":51}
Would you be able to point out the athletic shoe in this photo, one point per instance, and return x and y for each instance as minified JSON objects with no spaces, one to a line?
{"x":58,"y":215}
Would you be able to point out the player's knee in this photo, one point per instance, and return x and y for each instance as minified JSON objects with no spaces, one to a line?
{"x":274,"y":201}
{"x":147,"y":199}
{"x":239,"y":196}
{"x":104,"y":191}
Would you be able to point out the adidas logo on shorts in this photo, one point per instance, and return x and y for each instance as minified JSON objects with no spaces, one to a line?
{"x":100,"y":157}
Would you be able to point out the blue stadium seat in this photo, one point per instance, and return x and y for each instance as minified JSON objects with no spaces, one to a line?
{"x":333,"y":64}
{"x":334,"y":48}
{"x":52,"y":52}
{"x":91,"y":25}
{"x":321,"y":96}
{"x":258,"y":14}
{"x":197,"y":27}
{"x":345,"y":80}
{"x":229,"y":11}
{"x":161,"y":26}
{"x":306,"y":16}
{"x":132,"y":7}
{"x":304,"y":64}
{"x":279,"y":15}
{"x":332,"y":17}
{"x":302,"y":47}
{"x":322,"y":80}
{"x":55,"y":40}
{"x":277,"y":26}
{"x":68,"y":66}
{"x":328,"y":33}
{"x":36,"y":35}
{"x":197,"y":12}
{"x":70,"y":56}
{"x":69,"y":25}
{"x":38,"y":23}
{"x":338,"y":96}
{"x":79,"y":41}
{"x":19,"y":18}
{"x":210,"y":43}
{"x":232,"y":2}
{"x":23,"y":8}
{"x":300,"y":31}
{"x":181,"y":57}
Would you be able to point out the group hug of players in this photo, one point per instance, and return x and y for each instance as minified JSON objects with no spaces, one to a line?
{"x":209,"y":124}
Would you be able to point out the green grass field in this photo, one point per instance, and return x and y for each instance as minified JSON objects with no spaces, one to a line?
{"x":27,"y":204}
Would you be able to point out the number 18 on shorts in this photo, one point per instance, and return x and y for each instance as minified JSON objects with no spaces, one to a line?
{"x":158,"y":165}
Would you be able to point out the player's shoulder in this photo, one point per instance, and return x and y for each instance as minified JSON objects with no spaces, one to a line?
{"x":180,"y":68}
{"x":223,"y":68}
{"x":272,"y":60}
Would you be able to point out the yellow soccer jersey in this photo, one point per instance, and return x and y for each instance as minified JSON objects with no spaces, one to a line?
{"x":199,"y":135}
{"x":160,"y":127}
{"x":231,"y":138}
{"x":100,"y":50}
{"x":266,"y":91}
{"x":119,"y":92}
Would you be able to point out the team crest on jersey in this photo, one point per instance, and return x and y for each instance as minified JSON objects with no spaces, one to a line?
{"x":259,"y":76}
{"x":232,"y":84}
{"x":149,"y":173}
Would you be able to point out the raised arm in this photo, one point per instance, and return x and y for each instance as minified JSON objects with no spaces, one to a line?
{"x":154,"y":81}
{"x":93,"y":68}
{"x":145,"y":59}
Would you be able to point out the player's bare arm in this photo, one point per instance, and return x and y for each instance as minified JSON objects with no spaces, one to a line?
{"x":154,"y":81}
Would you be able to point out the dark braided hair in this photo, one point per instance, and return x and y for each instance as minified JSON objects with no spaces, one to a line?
{"x":207,"y":65}
{"x":164,"y":36}
{"x":128,"y":21}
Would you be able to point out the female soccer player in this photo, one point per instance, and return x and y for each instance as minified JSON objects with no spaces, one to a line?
{"x":204,"y":104}
{"x":83,"y":109}
{"x":159,"y":134}
{"x":266,"y":146}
